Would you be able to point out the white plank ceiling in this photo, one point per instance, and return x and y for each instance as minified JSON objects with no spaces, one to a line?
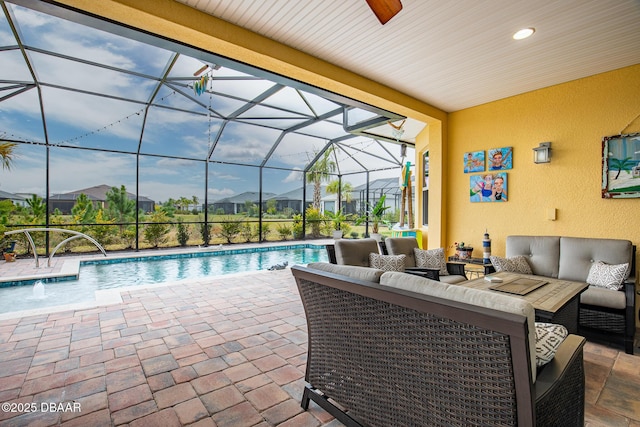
{"x":452,"y":54}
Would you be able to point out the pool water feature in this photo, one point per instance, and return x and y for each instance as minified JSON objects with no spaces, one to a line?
{"x":104,"y":274}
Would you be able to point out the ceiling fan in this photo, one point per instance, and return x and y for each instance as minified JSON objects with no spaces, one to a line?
{"x":385,"y":9}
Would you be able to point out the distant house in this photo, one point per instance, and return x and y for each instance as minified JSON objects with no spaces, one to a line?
{"x":98,"y":195}
{"x":17,"y":199}
{"x":293,"y":199}
{"x":237,"y":204}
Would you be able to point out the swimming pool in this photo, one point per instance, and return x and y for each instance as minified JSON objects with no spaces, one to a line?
{"x":103,"y":274}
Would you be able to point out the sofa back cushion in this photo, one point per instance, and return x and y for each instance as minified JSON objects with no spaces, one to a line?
{"x":542,"y":253}
{"x":355,"y":272}
{"x":355,"y":251}
{"x":477,"y":297}
{"x":578,"y":254}
{"x":402,"y":246}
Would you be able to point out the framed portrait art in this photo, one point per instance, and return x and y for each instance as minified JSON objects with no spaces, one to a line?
{"x":621,"y":166}
{"x":474,"y":161}
{"x":500,"y":158}
{"x":488,"y":187}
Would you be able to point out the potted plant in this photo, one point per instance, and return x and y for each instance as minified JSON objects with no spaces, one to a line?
{"x":338,"y":220}
{"x":375,"y":214}
{"x":462,"y":251}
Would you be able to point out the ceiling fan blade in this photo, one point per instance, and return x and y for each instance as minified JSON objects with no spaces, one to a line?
{"x":385,"y":9}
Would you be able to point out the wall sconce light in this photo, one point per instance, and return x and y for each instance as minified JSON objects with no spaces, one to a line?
{"x":542,"y":153}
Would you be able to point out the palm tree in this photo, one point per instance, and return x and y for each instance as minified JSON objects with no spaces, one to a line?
{"x":320,"y":172}
{"x":195,"y":201}
{"x":619,"y":164}
{"x":6,"y":154}
{"x":345,"y":190}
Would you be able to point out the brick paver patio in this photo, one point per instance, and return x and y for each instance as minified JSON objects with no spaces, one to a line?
{"x":228,"y":351}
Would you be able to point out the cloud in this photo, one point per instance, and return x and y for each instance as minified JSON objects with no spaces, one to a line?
{"x":294,"y":176}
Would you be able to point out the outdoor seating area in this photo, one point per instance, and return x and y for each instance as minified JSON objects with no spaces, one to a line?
{"x":227,"y":351}
{"x":306,"y":214}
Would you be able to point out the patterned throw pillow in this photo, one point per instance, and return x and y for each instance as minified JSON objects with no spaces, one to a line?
{"x":549,"y":336}
{"x":516,"y":264}
{"x":387,"y":262}
{"x":431,"y":258}
{"x":609,"y":276}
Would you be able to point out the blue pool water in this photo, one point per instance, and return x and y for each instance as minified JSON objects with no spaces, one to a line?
{"x":110,"y":274}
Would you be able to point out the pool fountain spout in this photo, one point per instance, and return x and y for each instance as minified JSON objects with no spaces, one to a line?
{"x":38,"y":290}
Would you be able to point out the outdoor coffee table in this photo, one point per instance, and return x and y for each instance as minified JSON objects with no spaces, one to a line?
{"x":557,"y":301}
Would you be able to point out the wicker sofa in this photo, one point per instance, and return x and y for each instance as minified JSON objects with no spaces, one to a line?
{"x":393,"y":349}
{"x":603,"y":314}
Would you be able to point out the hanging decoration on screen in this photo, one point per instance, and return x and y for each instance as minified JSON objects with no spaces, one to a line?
{"x":200,"y":85}
{"x":397,"y":130}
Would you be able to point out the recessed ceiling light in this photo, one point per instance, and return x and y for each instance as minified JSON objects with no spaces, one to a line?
{"x":524,"y":33}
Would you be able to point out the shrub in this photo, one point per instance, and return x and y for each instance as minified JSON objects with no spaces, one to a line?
{"x":284,"y":231}
{"x":205,"y":233}
{"x":183,"y":234}
{"x":314,"y":220}
{"x":156,"y":232}
{"x":298,"y":232}
{"x":229,"y":228}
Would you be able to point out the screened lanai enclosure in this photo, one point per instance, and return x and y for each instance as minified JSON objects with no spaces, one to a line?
{"x":138,"y":140}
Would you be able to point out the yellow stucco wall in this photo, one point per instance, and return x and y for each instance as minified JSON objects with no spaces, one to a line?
{"x":574,"y":117}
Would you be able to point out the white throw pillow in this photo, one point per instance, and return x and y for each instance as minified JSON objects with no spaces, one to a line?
{"x":431,"y":258}
{"x":549,"y":336}
{"x":609,"y":276}
{"x":516,"y":264}
{"x":387,"y":262}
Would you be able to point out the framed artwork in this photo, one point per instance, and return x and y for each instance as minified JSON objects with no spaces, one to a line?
{"x":474,"y":161}
{"x":621,"y":166}
{"x":500,"y":158}
{"x":488,"y":187}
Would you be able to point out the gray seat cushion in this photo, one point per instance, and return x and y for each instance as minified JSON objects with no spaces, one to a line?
{"x":452,"y":279}
{"x":355,"y":252}
{"x":602,"y":297}
{"x":355,"y":272}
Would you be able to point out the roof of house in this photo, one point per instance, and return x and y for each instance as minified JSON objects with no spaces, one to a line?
{"x":250,"y":196}
{"x":98,"y":192}
{"x":4,"y":195}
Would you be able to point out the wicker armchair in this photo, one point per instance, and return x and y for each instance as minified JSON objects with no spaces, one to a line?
{"x":406,"y":246}
{"x":380,"y":356}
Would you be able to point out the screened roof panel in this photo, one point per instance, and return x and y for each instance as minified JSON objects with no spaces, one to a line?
{"x":258,"y":111}
{"x":64,"y":37}
{"x":180,"y":134}
{"x":282,"y":124}
{"x":290,"y":99}
{"x":324,"y":129}
{"x":296,"y":150}
{"x":89,"y":121}
{"x":245,"y":88}
{"x":244,"y":143}
{"x":20,"y":117}
{"x":61,"y":72}
{"x":14,"y":67}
